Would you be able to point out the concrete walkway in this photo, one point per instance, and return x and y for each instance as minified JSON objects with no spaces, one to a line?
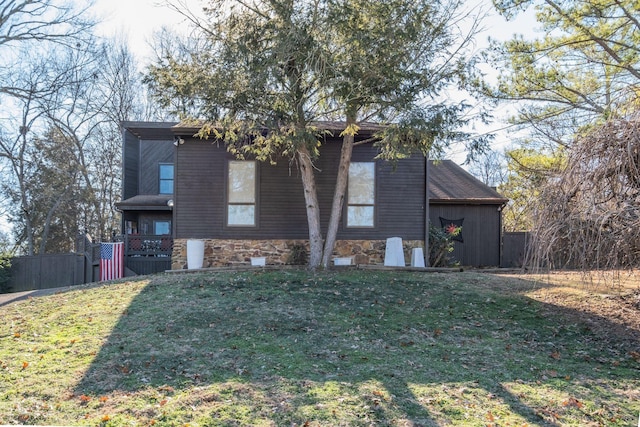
{"x":18,"y":296}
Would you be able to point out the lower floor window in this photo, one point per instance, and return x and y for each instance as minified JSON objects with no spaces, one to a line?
{"x":361,"y":194}
{"x":241,"y":193}
{"x":161,"y":227}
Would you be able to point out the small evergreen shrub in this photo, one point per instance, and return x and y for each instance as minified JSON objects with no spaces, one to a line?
{"x":297,"y":255}
{"x":5,"y":272}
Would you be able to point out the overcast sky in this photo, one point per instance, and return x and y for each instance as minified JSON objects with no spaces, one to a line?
{"x":137,"y":20}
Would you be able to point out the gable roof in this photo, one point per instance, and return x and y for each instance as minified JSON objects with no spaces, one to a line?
{"x":450,"y":183}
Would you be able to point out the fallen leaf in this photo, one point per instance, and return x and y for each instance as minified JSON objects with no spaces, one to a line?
{"x":572,"y":401}
{"x":163,"y":402}
{"x":16,"y":335}
{"x":84,"y":398}
{"x":490,"y":417}
{"x":24,"y":365}
{"x":106,"y":418}
{"x":103,"y":399}
{"x":555,"y":355}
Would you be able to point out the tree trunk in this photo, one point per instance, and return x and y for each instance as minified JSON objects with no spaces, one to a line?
{"x":313,"y":209}
{"x":339,"y":193}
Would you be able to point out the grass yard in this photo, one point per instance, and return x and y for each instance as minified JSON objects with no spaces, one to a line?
{"x":347,"y":348}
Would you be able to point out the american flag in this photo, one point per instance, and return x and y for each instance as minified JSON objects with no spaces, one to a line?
{"x":111,"y":261}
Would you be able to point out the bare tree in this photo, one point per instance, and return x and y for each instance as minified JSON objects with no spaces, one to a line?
{"x":72,"y":102}
{"x":591,"y":218}
{"x":64,"y":93}
{"x":490,"y":168}
{"x":60,"y":22}
{"x":100,"y":92}
{"x":14,"y":150}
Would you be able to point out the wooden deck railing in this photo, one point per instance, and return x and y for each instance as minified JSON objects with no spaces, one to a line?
{"x":147,"y":254}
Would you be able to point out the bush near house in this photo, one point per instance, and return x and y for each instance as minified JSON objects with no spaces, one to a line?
{"x":440,"y":247}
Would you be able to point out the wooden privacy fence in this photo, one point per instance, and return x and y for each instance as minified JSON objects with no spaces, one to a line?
{"x":514,"y":249}
{"x":143,"y":255}
{"x":46,"y":271}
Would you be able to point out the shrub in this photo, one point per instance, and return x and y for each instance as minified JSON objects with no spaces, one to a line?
{"x":440,"y":247}
{"x":5,"y":272}
{"x":297,"y":255}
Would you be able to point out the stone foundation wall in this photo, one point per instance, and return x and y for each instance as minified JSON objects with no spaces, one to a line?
{"x":225,"y":253}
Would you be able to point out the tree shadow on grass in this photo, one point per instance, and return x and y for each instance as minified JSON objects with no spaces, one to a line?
{"x":401,"y":349}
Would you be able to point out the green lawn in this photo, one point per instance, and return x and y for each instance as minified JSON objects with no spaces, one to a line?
{"x":294,"y":348}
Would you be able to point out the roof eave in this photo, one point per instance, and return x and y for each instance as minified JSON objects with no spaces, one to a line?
{"x":366,"y":129}
{"x":468,"y":201}
{"x":142,"y":208}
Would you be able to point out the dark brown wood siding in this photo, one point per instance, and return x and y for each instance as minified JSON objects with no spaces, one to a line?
{"x":480,"y":230}
{"x":200,"y":202}
{"x":131,"y":165}
{"x":199,"y":190}
{"x":152,"y":153}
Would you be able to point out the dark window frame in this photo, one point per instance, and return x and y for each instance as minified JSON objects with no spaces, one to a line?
{"x":161,"y":180}
{"x":158,"y":221}
{"x":255,"y":203}
{"x":374,"y":205}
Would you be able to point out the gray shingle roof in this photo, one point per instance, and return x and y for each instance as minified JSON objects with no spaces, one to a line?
{"x":450,"y":183}
{"x":146,"y":202}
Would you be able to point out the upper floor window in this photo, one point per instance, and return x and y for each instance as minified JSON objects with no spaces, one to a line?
{"x":165,"y":178}
{"x":361,"y":194}
{"x":241,"y":193}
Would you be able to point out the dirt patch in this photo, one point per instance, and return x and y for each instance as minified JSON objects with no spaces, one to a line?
{"x":608,"y":304}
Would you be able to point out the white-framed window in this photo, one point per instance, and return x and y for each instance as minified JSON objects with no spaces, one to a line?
{"x":241,"y":193}
{"x":361,"y":194}
{"x":165,"y":178}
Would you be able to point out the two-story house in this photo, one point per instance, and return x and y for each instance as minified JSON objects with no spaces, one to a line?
{"x":179,"y":185}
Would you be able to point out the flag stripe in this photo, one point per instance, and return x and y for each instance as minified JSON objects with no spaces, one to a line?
{"x":111,"y":261}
